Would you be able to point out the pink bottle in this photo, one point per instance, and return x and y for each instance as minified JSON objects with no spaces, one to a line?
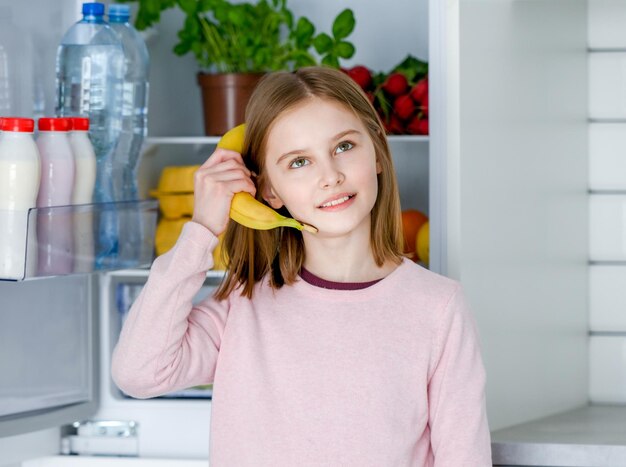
{"x":84,"y":183}
{"x":54,"y":226}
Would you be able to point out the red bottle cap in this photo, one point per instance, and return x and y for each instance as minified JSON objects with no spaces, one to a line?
{"x":26,"y":125}
{"x":55,"y":124}
{"x":80,"y":123}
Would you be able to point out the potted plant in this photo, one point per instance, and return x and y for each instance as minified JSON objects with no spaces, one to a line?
{"x":236,"y":43}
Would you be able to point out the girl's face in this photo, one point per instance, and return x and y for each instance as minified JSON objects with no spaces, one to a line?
{"x":321,"y":164}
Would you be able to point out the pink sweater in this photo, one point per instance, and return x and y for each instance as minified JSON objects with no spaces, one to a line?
{"x":390,"y":375}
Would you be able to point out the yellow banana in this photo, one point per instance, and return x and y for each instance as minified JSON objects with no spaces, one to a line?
{"x":246,"y":210}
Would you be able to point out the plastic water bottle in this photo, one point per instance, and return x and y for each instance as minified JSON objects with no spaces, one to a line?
{"x":90,"y":72}
{"x":134,"y":103}
{"x":134,"y":128}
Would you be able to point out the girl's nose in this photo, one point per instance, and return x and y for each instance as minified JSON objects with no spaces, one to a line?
{"x":331,"y":177}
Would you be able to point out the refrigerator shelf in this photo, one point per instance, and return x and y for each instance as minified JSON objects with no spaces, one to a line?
{"x":76,"y":239}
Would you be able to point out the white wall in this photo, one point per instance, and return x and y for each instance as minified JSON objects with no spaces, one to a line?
{"x":607,"y":182}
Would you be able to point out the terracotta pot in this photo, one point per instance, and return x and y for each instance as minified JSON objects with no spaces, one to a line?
{"x":224,"y":98}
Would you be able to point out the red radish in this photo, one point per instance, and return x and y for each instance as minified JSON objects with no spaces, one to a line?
{"x":404,"y":106}
{"x":418,"y":126}
{"x":361,"y":75}
{"x":420,"y":90}
{"x":395,"y":84}
{"x":422,"y":128}
{"x":424,"y":105}
{"x":394,"y":125}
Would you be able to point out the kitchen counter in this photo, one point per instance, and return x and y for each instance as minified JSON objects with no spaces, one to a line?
{"x":592,"y":436}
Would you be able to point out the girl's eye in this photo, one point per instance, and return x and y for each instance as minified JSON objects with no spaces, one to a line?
{"x":344,"y":146}
{"x":297,"y":163}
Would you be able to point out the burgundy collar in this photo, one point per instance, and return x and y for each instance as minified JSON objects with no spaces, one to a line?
{"x":319,"y":282}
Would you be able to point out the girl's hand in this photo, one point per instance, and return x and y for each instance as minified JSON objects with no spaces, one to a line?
{"x":215,"y":183}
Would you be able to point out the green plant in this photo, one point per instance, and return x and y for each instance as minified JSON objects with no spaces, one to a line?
{"x":250,"y":37}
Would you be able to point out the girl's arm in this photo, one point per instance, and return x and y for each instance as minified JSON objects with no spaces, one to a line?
{"x":458,"y":419}
{"x":166,"y":343}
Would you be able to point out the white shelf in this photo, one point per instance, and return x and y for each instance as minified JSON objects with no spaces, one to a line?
{"x":206,"y":140}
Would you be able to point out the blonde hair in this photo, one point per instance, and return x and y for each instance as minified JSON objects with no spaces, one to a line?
{"x":280,"y":252}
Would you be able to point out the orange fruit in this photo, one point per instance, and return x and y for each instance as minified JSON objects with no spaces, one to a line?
{"x":412,"y":220}
{"x":422,"y":243}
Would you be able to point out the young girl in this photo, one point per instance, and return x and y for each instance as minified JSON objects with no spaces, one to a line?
{"x":327,"y":348}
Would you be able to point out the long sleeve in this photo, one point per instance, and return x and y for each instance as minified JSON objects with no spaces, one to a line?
{"x":456,"y":391}
{"x":166,"y":343}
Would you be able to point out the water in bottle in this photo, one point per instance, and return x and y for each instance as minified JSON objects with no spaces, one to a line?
{"x":134,"y":128}
{"x":90,"y":73}
{"x":134,"y":103}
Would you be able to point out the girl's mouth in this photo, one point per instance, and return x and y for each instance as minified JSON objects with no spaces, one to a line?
{"x":338,"y":203}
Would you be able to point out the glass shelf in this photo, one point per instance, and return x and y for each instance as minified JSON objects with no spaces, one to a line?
{"x":77,"y":239}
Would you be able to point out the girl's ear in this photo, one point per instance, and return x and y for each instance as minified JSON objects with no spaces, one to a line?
{"x":379,"y":168}
{"x":272,"y":198}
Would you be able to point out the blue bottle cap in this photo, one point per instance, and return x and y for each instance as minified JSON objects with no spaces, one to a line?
{"x":119,"y":12}
{"x":93,"y":9}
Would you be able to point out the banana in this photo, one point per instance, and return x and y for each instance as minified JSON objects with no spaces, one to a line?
{"x":246,"y":210}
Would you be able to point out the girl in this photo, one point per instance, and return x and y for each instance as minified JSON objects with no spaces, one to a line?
{"x":325,"y":349}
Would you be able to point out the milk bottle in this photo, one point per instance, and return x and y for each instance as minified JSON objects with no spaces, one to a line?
{"x":54,"y":226}
{"x":19,"y":183}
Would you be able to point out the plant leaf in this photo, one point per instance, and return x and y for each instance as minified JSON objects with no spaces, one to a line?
{"x":344,"y":49}
{"x":205,"y":5}
{"x":304,"y":33}
{"x":322,"y":43}
{"x":413,"y":68}
{"x":237,"y":16}
{"x":331,"y":61}
{"x":182,"y":48}
{"x":188,"y":6}
{"x":191,"y":30}
{"x":343,"y":24}
{"x":149,"y":12}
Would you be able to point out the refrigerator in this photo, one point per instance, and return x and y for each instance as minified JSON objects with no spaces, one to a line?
{"x":503,"y":176}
